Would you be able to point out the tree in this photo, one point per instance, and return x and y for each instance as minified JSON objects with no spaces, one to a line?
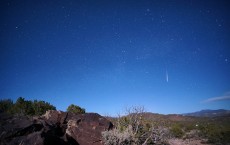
{"x":20,"y":106}
{"x":6,"y":105}
{"x":40,"y":107}
{"x":29,"y":110}
{"x":24,"y":107}
{"x":75,"y":109}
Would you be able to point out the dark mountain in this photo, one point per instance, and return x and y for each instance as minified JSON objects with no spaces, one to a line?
{"x":209,"y":113}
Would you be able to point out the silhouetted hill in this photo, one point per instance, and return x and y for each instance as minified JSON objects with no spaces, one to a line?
{"x":209,"y":113}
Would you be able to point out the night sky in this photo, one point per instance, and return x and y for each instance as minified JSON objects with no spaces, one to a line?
{"x":104,"y":55}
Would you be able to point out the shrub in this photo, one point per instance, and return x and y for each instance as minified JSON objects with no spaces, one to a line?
{"x":40,"y":107}
{"x":133,"y":129}
{"x":215,"y":133}
{"x":25,"y":107}
{"x":116,"y":137}
{"x":75,"y":109}
{"x":177,"y":131}
{"x":6,"y":105}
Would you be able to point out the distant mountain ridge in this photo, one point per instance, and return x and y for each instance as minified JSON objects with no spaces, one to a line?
{"x":209,"y":113}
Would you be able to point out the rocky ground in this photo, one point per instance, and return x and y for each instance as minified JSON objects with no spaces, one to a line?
{"x":62,"y":128}
{"x":54,"y":127}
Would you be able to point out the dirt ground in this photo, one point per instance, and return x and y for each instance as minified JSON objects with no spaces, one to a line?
{"x":187,"y":142}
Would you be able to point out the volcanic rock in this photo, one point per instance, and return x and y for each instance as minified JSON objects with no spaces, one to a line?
{"x":54,"y":127}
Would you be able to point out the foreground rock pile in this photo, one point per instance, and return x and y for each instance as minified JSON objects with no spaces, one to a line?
{"x":54,"y":127}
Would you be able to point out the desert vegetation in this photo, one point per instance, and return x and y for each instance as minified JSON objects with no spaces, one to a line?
{"x":135,"y":129}
{"x":138,"y":127}
{"x":75,"y":109}
{"x":25,"y":107}
{"x":32,"y":108}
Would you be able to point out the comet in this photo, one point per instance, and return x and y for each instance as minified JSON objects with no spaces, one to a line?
{"x":167,"y":76}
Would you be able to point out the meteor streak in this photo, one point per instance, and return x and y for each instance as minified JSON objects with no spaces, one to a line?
{"x":167,"y":76}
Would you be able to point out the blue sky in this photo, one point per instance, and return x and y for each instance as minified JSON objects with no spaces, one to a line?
{"x":168,"y":56}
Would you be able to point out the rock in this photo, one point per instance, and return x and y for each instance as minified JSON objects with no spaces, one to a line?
{"x":87,"y":128}
{"x":54,"y":127}
{"x":54,"y":117}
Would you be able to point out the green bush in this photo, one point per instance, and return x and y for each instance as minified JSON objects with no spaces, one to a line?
{"x":75,"y":109}
{"x":25,"y":107}
{"x":6,"y":105}
{"x":215,"y":133}
{"x":177,"y":131}
{"x":40,"y":107}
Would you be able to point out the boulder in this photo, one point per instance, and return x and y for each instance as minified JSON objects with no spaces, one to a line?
{"x":54,"y":117}
{"x":54,"y":127}
{"x":87,"y":128}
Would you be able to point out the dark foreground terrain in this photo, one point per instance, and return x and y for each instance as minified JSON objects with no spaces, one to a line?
{"x":54,"y":127}
{"x":62,"y":128}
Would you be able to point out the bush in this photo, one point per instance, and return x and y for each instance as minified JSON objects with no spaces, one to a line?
{"x":6,"y":105}
{"x":40,"y":107}
{"x":133,"y":130}
{"x":25,"y":107}
{"x":127,"y":129}
{"x":75,"y":109}
{"x":215,"y":133}
{"x":116,"y":137}
{"x":177,"y":131}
